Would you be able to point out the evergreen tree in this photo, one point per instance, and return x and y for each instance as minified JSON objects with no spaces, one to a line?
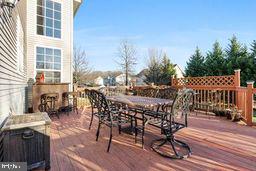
{"x":215,"y":61}
{"x":233,"y":53}
{"x":238,"y":58}
{"x":195,"y":65}
{"x":167,"y":70}
{"x":160,"y":69}
{"x":253,"y":49}
{"x":252,"y":57}
{"x":153,"y":71}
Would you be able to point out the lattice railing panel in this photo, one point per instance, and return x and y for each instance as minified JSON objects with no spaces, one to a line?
{"x":227,"y":81}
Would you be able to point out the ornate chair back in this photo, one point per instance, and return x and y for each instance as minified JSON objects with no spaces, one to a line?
{"x":148,"y":92}
{"x":49,"y":102}
{"x":102,"y":106}
{"x":93,"y":97}
{"x":167,"y":93}
{"x":181,"y":105}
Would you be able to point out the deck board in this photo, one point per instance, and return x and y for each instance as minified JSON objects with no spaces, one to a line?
{"x":216,"y":143}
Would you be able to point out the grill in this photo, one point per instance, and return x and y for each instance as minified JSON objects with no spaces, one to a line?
{"x":26,"y":138}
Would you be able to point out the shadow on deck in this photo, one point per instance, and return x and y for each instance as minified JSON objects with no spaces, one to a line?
{"x":215,"y":142}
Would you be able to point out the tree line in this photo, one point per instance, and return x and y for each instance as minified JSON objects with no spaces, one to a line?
{"x":219,"y":61}
{"x":159,"y":69}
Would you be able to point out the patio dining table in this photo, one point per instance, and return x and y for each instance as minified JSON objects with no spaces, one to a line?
{"x":140,"y":105}
{"x":139,"y":101}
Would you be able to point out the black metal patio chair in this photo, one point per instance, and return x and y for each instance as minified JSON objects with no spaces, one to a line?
{"x":166,"y":93}
{"x":153,"y":114}
{"x":109,"y":116}
{"x":49,"y":103}
{"x":92,"y":96}
{"x":171,"y":122}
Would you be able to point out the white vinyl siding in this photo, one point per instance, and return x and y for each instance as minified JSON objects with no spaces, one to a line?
{"x":13,"y":83}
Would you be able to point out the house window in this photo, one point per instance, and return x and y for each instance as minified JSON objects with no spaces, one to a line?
{"x":48,"y":60}
{"x":49,"y":18}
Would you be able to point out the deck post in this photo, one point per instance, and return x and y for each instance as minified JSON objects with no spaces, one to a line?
{"x":237,"y":78}
{"x":249,"y":106}
{"x":75,"y":86}
{"x":237,"y":85}
{"x":172,"y":80}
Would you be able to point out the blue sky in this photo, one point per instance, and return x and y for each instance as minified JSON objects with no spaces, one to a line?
{"x":175,"y":26}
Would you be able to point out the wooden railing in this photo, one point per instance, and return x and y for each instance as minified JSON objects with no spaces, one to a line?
{"x":83,"y":100}
{"x":220,"y":93}
{"x":216,"y":81}
{"x":214,"y":99}
{"x":254,"y":106}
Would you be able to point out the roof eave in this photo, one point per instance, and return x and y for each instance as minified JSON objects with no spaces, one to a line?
{"x":76,"y":5}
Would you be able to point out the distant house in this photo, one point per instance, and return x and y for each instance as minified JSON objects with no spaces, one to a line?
{"x":120,"y":79}
{"x":140,"y":77}
{"x":99,"y":81}
{"x":109,"y":81}
{"x":138,"y":81}
{"x":179,"y":71}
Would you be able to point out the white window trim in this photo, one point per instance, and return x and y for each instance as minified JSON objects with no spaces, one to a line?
{"x":61,"y":61}
{"x":61,"y":23}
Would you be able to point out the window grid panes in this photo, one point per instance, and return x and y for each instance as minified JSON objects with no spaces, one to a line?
{"x":49,"y":18}
{"x":48,"y":60}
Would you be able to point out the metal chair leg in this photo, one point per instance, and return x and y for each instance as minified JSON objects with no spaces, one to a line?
{"x":110,"y":139}
{"x":91,"y":120}
{"x":131,"y":118}
{"x":76,"y":110}
{"x":142,"y":136}
{"x":119,"y":129}
{"x":98,"y":131}
{"x":57,"y":114}
{"x":172,"y":141}
{"x":136,"y":130}
{"x":183,"y":145}
{"x":140,"y":129}
{"x":173,"y":148}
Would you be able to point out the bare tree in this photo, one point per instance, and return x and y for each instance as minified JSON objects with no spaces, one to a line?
{"x":127,"y":58}
{"x":80,"y":65}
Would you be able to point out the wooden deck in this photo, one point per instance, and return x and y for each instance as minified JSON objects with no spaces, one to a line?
{"x":217,"y":144}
